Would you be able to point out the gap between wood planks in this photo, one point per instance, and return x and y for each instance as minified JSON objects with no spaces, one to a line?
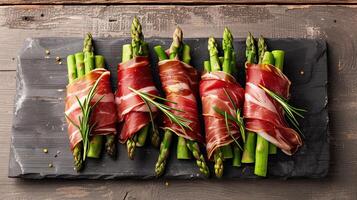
{"x":178,"y":2}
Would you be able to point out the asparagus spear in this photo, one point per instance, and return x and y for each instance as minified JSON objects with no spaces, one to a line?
{"x":164,"y":153}
{"x":262,"y":149}
{"x":96,"y":142}
{"x":229,"y":66}
{"x":72,"y":75}
{"x":80,"y":64}
{"x":207,"y":65}
{"x":175,"y":50}
{"x":279,"y":63}
{"x":184,"y":145}
{"x":249,"y":145}
{"x":214,"y":63}
{"x":131,"y":142}
{"x":137,"y":48}
{"x":213,"y":55}
{"x":262,"y":48}
{"x":110,"y":144}
{"x":166,"y":141}
{"x":227,"y":45}
{"x":193,"y":146}
{"x":127,"y":54}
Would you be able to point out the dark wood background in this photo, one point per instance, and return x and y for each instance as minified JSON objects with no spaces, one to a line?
{"x":337,"y":24}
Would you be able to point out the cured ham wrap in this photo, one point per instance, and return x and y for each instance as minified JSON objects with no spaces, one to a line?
{"x":222,"y":96}
{"x":102,"y":115}
{"x":133,"y":113}
{"x":89,"y":107}
{"x":214,"y":88}
{"x":266,"y":108}
{"x":180,"y":82}
{"x":180,"y":85}
{"x":264,"y":115}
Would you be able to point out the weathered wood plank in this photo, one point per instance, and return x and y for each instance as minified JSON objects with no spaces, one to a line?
{"x":187,"y":2}
{"x":198,"y":21}
{"x":336,"y":24}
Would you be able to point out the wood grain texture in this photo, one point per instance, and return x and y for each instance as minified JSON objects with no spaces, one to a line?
{"x":186,"y":2}
{"x":336,"y":24}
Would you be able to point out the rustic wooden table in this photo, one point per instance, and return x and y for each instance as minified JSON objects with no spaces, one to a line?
{"x":335,"y":23}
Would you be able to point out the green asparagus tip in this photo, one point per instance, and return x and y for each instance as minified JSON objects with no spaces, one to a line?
{"x":218,"y":163}
{"x":227,"y":42}
{"x":213,"y":53}
{"x":77,"y":155}
{"x":130,"y":145}
{"x":137,"y":37}
{"x":110,"y":145}
{"x":262,"y":48}
{"x":250,"y":51}
{"x":88,"y":43}
{"x":176,"y":42}
{"x":212,"y":45}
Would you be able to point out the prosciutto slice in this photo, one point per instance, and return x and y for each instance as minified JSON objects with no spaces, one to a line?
{"x":103,"y":115}
{"x":213,"y":88}
{"x":180,"y":83}
{"x":263,"y":114}
{"x":133,"y":113}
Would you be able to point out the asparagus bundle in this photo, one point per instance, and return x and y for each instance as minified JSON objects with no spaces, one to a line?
{"x":134,"y":72}
{"x":180,"y":82}
{"x":267,"y":84}
{"x":86,"y":70}
{"x":221,"y":97}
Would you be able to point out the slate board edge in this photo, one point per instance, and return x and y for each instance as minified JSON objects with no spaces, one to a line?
{"x":14,"y":163}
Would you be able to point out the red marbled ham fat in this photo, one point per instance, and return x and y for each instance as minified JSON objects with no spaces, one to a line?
{"x":103,"y":115}
{"x":133,"y":113}
{"x":180,"y":83}
{"x":212,"y":93}
{"x":263,"y":114}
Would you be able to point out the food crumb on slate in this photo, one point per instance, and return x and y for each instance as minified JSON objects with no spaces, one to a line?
{"x":58,"y":152}
{"x":166,"y":183}
{"x":60,"y":63}
{"x":47,"y":52}
{"x":58,"y":58}
{"x":50,"y":165}
{"x":302,"y":72}
{"x":45,"y":150}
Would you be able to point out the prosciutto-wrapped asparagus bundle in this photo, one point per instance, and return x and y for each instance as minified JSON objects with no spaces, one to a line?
{"x":90,"y":108}
{"x":265,"y":107}
{"x":134,"y":73}
{"x":221,"y":96}
{"x":180,"y":84}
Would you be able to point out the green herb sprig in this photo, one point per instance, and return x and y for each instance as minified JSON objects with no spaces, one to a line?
{"x":238,"y":119}
{"x":289,"y":110}
{"x":148,"y":99}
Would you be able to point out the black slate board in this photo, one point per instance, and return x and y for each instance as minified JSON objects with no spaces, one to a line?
{"x":39,"y":120}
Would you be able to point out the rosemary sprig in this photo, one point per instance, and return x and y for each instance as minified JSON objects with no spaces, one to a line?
{"x":238,"y":120}
{"x":289,"y":110}
{"x":84,"y":127}
{"x":240,"y":123}
{"x":230,"y":99}
{"x":229,"y":132}
{"x":154,"y":130}
{"x":180,"y":121}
